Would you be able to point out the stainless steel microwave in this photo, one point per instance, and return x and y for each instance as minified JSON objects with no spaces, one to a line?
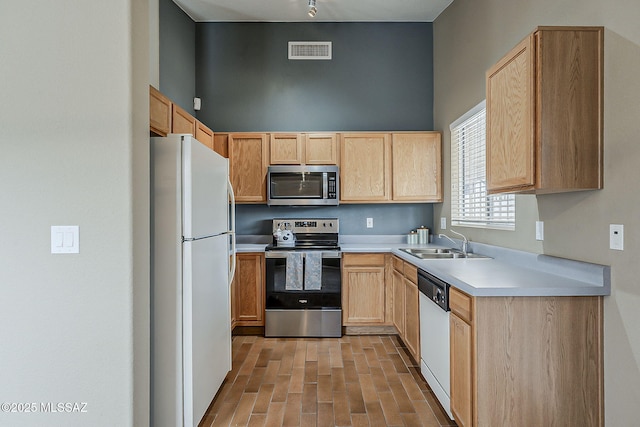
{"x":303,"y":185}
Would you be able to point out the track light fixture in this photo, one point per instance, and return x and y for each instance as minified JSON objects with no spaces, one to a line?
{"x":312,"y":8}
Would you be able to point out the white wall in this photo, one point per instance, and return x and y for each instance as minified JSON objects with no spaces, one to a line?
{"x":472,"y":35}
{"x":73,"y":121}
{"x":154,"y":44}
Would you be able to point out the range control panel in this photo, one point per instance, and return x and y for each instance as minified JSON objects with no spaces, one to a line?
{"x":306,"y":225}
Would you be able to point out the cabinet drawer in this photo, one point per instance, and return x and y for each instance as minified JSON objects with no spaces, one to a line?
{"x":411,"y":272}
{"x":363,"y":259}
{"x":398,"y":264}
{"x":461,"y":304}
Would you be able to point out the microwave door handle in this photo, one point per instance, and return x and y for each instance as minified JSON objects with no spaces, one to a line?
{"x":325,"y":185}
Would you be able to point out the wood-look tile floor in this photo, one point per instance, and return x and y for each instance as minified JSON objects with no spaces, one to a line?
{"x":349,"y":381}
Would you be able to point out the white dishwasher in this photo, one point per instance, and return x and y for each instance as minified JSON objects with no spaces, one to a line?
{"x":434,"y":336}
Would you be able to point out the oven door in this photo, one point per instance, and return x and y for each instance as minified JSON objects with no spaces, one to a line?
{"x":327,"y":297}
{"x":302,"y":185}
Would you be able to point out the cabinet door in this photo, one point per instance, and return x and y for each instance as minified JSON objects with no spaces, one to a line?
{"x":461,"y":371}
{"x":286,"y":149}
{"x":569,"y":99}
{"x":248,"y":166}
{"x":321,"y":149}
{"x":417,"y":166}
{"x":249,"y":284}
{"x":221,"y":144}
{"x":182,"y":122}
{"x":159,"y":112}
{"x":412,"y":319}
{"x":398,"y":301}
{"x":204,"y":134}
{"x":365,"y":161}
{"x":363,"y":295}
{"x":510,"y":119}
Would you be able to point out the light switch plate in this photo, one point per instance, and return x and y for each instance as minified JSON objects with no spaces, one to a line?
{"x":369,"y":222}
{"x":443,"y":223}
{"x":65,"y":239}
{"x":616,"y":237}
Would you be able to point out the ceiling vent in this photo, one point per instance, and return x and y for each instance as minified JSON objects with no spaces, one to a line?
{"x":310,"y":50}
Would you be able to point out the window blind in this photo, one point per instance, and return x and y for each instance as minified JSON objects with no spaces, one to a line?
{"x":470,"y":203}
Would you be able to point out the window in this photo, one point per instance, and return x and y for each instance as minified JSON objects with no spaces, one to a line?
{"x":470,"y":203}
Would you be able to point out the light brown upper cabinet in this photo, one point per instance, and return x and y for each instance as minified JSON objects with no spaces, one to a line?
{"x":321,"y":149}
{"x":204,"y":134}
{"x":182,"y":122}
{"x":166,"y":117}
{"x":221,"y":144}
{"x":303,"y":148}
{"x":159,"y":112}
{"x":365,"y":167}
{"x":248,"y":161}
{"x":417,"y":166}
{"x":544,"y":113}
{"x":286,"y":149}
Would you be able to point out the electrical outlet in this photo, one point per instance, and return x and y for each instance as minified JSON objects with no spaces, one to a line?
{"x":443,"y":223}
{"x":616,"y":237}
{"x":539,"y":230}
{"x":369,"y":222}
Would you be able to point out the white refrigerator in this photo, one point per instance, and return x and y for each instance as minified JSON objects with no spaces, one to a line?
{"x":193,"y":262}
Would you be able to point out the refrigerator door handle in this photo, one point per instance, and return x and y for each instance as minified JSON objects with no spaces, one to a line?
{"x":232,"y":199}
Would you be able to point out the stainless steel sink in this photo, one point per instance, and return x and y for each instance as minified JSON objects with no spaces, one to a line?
{"x":439,"y":253}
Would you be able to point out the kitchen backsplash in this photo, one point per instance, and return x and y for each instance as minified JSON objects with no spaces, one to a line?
{"x":387,"y":218}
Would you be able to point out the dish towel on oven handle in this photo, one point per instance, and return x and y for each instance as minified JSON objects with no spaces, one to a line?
{"x":313,"y":271}
{"x":293,"y":281}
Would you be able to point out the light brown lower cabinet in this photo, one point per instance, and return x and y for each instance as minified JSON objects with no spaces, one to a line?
{"x":412,"y":318}
{"x":363,"y":289}
{"x":406,"y":310}
{"x":462,"y":356}
{"x":248,"y":290}
{"x":526,"y":361}
{"x":398,"y":289}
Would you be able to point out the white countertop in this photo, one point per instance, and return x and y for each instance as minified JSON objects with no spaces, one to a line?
{"x":506,"y":273}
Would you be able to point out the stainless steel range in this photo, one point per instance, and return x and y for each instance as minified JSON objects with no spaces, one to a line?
{"x":303,"y":279}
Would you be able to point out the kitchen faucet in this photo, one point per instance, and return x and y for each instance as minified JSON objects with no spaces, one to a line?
{"x":464,"y":247}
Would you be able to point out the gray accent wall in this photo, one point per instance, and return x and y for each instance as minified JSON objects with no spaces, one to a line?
{"x":380,"y":77}
{"x":387,"y":218}
{"x":177,"y":55}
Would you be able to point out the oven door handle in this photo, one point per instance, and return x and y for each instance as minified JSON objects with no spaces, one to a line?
{"x":283,"y":254}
